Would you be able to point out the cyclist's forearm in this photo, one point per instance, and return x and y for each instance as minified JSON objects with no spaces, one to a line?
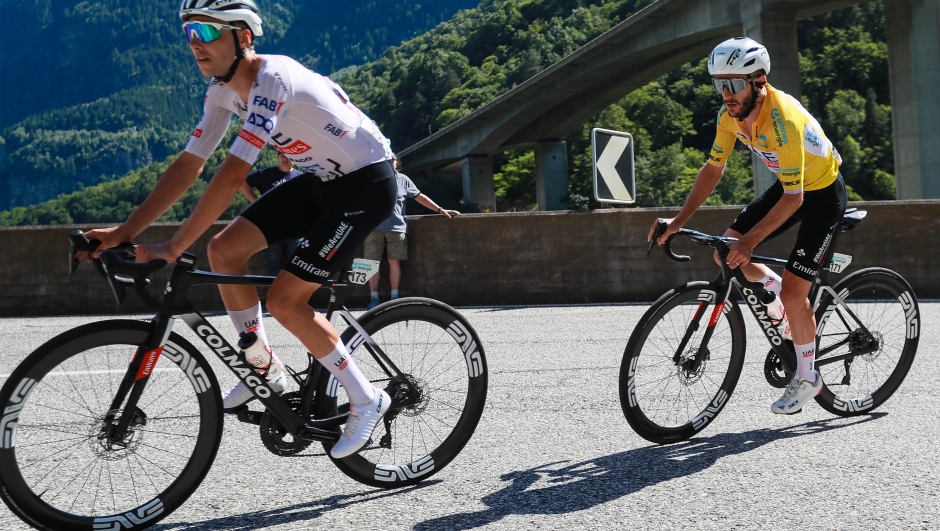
{"x":218,"y":196}
{"x":171,"y":186}
{"x":704,"y":185}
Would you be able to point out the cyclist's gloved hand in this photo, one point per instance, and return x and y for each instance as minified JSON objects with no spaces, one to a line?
{"x":110,"y":237}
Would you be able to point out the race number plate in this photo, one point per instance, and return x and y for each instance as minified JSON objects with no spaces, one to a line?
{"x":363,"y":270}
{"x":839,"y":262}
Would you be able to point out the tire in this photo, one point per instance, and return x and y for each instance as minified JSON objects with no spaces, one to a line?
{"x":55,"y":472}
{"x":663,"y":402}
{"x":885,"y":304}
{"x":436,"y":346}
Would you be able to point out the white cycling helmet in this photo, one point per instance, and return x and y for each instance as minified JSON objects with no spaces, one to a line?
{"x":739,"y":55}
{"x":228,"y":10}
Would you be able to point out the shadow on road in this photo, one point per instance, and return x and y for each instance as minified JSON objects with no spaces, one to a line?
{"x":590,"y":483}
{"x":301,"y":512}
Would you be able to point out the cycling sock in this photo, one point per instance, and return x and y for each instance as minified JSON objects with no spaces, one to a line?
{"x":344,"y":369}
{"x":772,"y":282}
{"x":375,"y":295}
{"x":249,"y":320}
{"x":805,"y":358}
{"x":394,"y":293}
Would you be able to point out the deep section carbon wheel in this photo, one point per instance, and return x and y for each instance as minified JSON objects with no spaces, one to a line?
{"x":441,"y":391}
{"x":881,"y":322}
{"x":665,"y":394}
{"x":58,"y":467}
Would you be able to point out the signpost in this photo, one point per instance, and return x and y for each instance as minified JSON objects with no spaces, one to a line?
{"x":614,"y":177}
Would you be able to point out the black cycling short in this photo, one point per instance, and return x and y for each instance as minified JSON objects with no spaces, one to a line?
{"x":332,"y":217}
{"x":819,"y":217}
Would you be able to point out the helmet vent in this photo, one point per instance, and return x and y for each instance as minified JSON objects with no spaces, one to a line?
{"x":749,"y":63}
{"x":752,"y":50}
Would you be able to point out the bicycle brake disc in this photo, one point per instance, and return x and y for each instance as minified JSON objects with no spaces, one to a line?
{"x":275,"y":436}
{"x":774,"y":371}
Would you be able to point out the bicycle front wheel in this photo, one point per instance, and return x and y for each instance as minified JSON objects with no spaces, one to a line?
{"x":60,"y":470}
{"x":444,"y":382}
{"x":665,"y":396}
{"x":881,"y":319}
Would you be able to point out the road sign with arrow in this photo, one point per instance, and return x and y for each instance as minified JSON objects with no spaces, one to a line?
{"x":614,"y":178}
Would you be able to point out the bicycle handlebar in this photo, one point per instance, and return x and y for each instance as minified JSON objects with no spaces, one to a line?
{"x":720,"y":243}
{"x":115,"y":267}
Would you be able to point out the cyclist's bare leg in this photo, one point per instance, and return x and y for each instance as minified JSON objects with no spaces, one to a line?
{"x":288,"y":303}
{"x":795,"y":299}
{"x":229,"y":252}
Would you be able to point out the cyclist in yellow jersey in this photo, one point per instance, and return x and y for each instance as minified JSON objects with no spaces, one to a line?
{"x":809,"y":190}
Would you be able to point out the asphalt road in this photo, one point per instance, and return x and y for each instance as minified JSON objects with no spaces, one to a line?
{"x":553,"y":450}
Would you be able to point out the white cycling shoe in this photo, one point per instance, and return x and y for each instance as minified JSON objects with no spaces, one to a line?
{"x":798,"y":392}
{"x":360,"y":425}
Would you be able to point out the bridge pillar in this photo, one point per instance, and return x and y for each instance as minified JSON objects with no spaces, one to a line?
{"x":913,"y":32}
{"x":551,"y":174}
{"x":777,"y":32}
{"x":478,"y":186}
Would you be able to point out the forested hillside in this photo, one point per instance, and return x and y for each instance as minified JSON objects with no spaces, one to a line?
{"x":94,"y":89}
{"x":480,"y":53}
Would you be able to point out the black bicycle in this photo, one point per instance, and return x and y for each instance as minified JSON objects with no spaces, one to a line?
{"x":683,"y":360}
{"x":114,"y":424}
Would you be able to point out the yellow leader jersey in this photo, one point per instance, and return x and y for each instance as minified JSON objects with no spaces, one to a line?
{"x":787,"y":138}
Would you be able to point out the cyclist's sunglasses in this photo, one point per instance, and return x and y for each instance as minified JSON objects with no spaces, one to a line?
{"x":734,"y":85}
{"x":205,"y":31}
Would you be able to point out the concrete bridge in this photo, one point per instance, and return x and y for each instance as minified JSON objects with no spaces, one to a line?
{"x":659,"y":38}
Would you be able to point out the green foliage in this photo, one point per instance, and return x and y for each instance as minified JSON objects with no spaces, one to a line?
{"x":423,"y":85}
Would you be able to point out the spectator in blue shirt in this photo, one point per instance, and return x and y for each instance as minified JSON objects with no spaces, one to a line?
{"x":392,"y":234}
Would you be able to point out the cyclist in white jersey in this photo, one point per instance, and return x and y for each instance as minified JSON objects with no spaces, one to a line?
{"x":347,"y":190}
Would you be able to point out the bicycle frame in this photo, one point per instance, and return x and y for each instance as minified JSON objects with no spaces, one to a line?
{"x":182,"y":277}
{"x":733,"y":280}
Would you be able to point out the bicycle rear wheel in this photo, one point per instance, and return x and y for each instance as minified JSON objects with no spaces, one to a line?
{"x":443,"y":362}
{"x":888,"y":323}
{"x":58,"y":472}
{"x":667,"y":401}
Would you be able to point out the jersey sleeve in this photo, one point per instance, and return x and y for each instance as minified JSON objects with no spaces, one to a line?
{"x":266,"y":105}
{"x":411,"y":191}
{"x":212,"y":127}
{"x":724,"y":140}
{"x":791,"y":154}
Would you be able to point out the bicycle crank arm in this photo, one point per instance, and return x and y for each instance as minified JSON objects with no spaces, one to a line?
{"x":311,"y":433}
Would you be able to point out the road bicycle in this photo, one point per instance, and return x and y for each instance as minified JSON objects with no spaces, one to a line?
{"x":679,"y":369}
{"x":113,"y":425}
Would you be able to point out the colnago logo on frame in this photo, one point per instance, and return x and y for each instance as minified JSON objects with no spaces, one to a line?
{"x":130,"y":520}
{"x":12,"y":412}
{"x":469,"y":347}
{"x":243,"y":371}
{"x":760,"y":312}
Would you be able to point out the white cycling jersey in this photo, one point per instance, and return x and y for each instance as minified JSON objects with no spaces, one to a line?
{"x":302,"y":114}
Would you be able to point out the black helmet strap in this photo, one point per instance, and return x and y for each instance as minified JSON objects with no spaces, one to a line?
{"x":239,"y":55}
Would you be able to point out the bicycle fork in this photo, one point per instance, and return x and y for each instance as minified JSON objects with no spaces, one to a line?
{"x":706,"y":297}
